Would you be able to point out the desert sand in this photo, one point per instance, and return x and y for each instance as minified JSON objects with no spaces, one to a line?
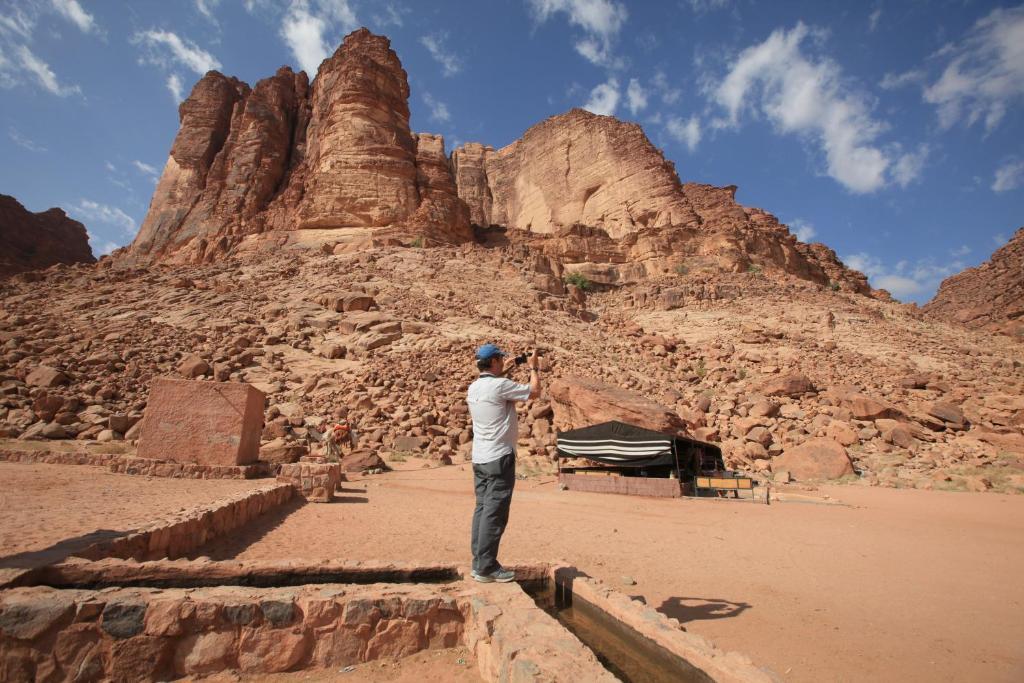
{"x":49,"y":511}
{"x":842,"y":583}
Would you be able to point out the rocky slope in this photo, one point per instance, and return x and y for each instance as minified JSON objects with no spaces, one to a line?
{"x":990,"y":296}
{"x":762,"y":363}
{"x":283,"y":156}
{"x":32,"y":241}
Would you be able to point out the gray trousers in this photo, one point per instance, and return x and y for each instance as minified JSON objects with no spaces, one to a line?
{"x":493,"y":482}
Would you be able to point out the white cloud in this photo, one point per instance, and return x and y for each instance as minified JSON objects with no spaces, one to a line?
{"x":803,"y":230}
{"x":43,"y":73}
{"x":600,"y":21}
{"x":999,"y":239}
{"x":174,"y":84}
{"x":20,"y":22}
{"x":808,"y":97}
{"x":99,"y":248}
{"x":438,"y":109}
{"x":258,"y":6}
{"x":391,"y":14}
{"x":905,"y":280}
{"x":145,"y":168}
{"x":668,"y":94}
{"x":449,"y":61}
{"x":22,"y":141}
{"x":893,"y":81}
{"x":705,"y":6}
{"x":1009,"y":176}
{"x":908,"y":167}
{"x":960,"y":252}
{"x":73,"y":12}
{"x":604,"y":98}
{"x":102,"y":213}
{"x":985,"y":74}
{"x":873,"y":19}
{"x":166,"y":47}
{"x":206,"y":7}
{"x":686,"y":132}
{"x":305,"y":28}
{"x":636,"y":97}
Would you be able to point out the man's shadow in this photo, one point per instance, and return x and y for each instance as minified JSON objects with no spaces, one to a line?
{"x":701,"y":609}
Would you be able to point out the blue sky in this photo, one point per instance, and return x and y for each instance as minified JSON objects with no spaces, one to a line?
{"x":890,"y":131}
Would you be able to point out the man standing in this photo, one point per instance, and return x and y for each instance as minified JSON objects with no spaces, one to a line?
{"x":492,"y":404}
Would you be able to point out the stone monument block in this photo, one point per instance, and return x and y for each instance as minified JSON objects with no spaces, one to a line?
{"x":209,"y":423}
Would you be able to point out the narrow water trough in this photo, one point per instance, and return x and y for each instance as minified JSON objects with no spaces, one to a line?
{"x":626,"y":653}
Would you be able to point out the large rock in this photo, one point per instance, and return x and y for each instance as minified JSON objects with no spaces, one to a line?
{"x":284,"y":156}
{"x":209,"y":423}
{"x":32,"y":241}
{"x":818,"y":458}
{"x":795,"y":384}
{"x":989,"y":296}
{"x":864,"y":407}
{"x":580,"y":401}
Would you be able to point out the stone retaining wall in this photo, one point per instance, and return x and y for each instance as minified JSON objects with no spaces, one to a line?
{"x":189,"y":470}
{"x":190,"y":529}
{"x":60,"y":457}
{"x":153,"y":635}
{"x":125,"y":464}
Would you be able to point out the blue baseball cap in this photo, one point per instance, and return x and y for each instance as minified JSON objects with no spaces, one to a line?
{"x":488,"y":351}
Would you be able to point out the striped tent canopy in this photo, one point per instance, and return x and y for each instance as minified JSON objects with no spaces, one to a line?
{"x":626,"y":445}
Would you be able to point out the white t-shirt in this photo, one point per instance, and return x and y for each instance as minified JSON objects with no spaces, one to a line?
{"x":493,"y":409}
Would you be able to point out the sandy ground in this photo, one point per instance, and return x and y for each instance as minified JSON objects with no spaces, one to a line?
{"x":890,"y":585}
{"x":50,"y":510}
{"x":453,"y":665}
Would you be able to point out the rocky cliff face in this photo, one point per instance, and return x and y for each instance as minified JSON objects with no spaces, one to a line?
{"x":284,"y":156}
{"x":990,"y":296}
{"x":596,"y":193}
{"x":31,"y":241}
{"x":590,"y":193}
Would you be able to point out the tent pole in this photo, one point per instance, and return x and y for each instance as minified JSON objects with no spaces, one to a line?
{"x":679,"y":474}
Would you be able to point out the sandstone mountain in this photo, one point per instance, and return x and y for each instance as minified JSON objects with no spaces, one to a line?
{"x":31,"y":241}
{"x":337,"y":164}
{"x":600,"y":197}
{"x":990,"y":296}
{"x":287,"y":156}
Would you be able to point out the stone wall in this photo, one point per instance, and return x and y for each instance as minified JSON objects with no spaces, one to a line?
{"x":610,"y":483}
{"x":151,"y":634}
{"x":190,"y":529}
{"x":124,"y":464}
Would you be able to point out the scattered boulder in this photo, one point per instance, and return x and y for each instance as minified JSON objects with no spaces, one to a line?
{"x":46,"y":377}
{"x":817,"y":458}
{"x":795,"y":384}
{"x":950,"y":414}
{"x":193,"y":366}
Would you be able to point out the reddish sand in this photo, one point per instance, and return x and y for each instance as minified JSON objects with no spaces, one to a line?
{"x":454,"y":665}
{"x":893,"y":585}
{"x":50,"y":510}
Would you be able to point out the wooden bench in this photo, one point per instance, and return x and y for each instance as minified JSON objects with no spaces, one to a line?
{"x":723,"y":481}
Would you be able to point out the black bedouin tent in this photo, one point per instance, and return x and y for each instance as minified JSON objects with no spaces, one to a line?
{"x":640,"y":452}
